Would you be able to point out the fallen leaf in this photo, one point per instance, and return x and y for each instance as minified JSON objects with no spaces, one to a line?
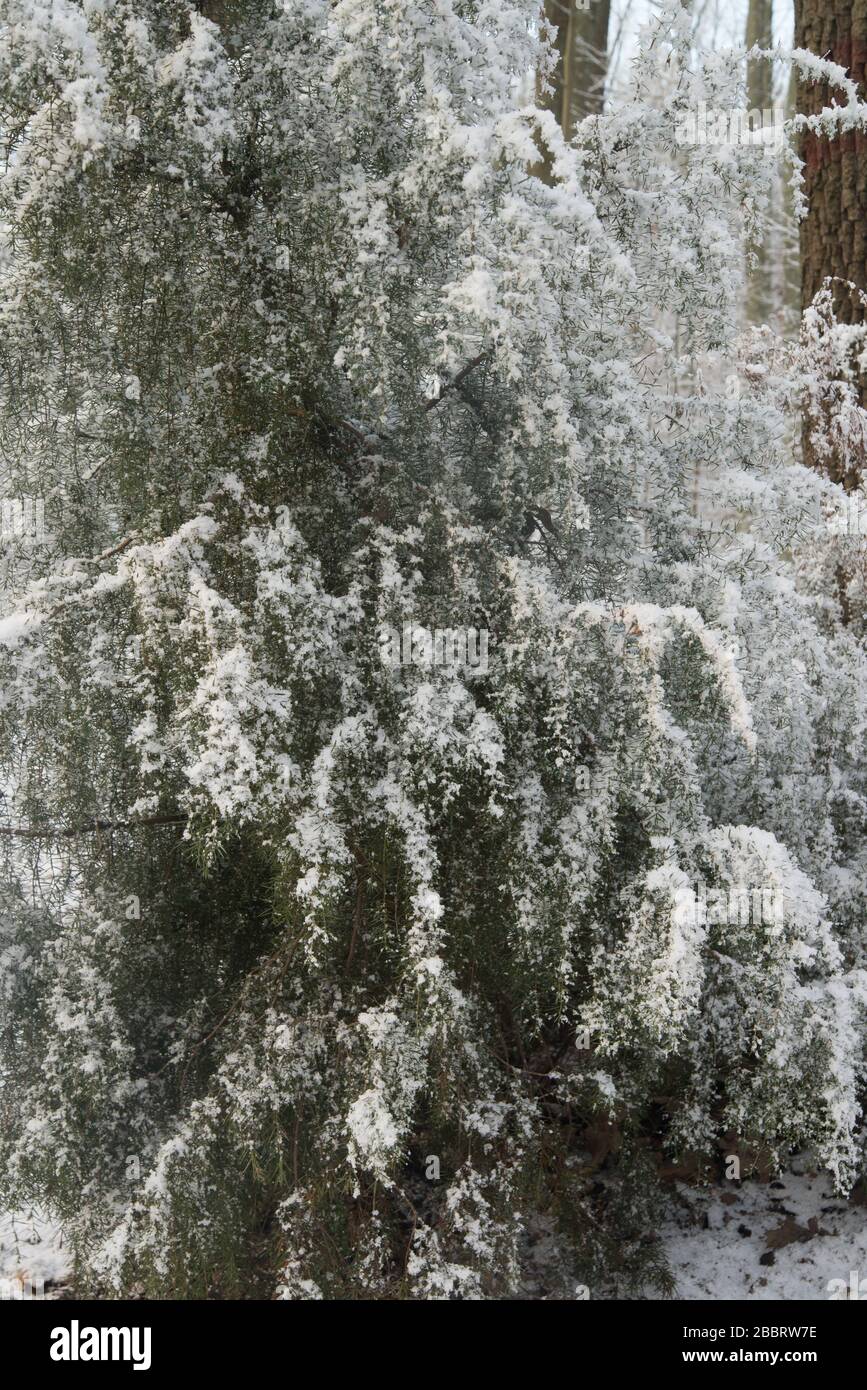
{"x":788,"y":1233}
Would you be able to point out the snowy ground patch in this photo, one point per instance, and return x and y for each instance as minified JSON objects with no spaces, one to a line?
{"x":787,"y":1239}
{"x":32,"y":1251}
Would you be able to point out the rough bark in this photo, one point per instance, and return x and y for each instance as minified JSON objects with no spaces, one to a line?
{"x":834,"y":234}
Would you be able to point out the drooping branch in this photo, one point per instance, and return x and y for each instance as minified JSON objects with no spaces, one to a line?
{"x":28,"y":832}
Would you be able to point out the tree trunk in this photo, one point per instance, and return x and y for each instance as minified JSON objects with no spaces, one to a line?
{"x":587,"y":62}
{"x":791,"y":256}
{"x":578,"y":82}
{"x":760,"y":95}
{"x":834,"y":234}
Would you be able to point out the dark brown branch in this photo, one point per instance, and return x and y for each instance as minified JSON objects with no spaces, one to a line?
{"x":27,"y":832}
{"x":115,"y":550}
{"x":454,"y":383}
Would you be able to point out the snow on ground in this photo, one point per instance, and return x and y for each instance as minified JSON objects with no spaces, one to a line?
{"x":717,"y":1236}
{"x":716,"y":1239}
{"x":31,"y":1250}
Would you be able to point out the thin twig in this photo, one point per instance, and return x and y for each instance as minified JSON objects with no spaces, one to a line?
{"x":115,"y":550}
{"x":27,"y":832}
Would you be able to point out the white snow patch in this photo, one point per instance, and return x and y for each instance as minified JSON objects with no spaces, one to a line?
{"x":721,"y":1260}
{"x":32,"y":1249}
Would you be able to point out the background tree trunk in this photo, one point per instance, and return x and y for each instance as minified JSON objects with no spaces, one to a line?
{"x":791,"y":255}
{"x":578,"y":82}
{"x":834,"y":234}
{"x":760,"y":96}
{"x":587,"y":62}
